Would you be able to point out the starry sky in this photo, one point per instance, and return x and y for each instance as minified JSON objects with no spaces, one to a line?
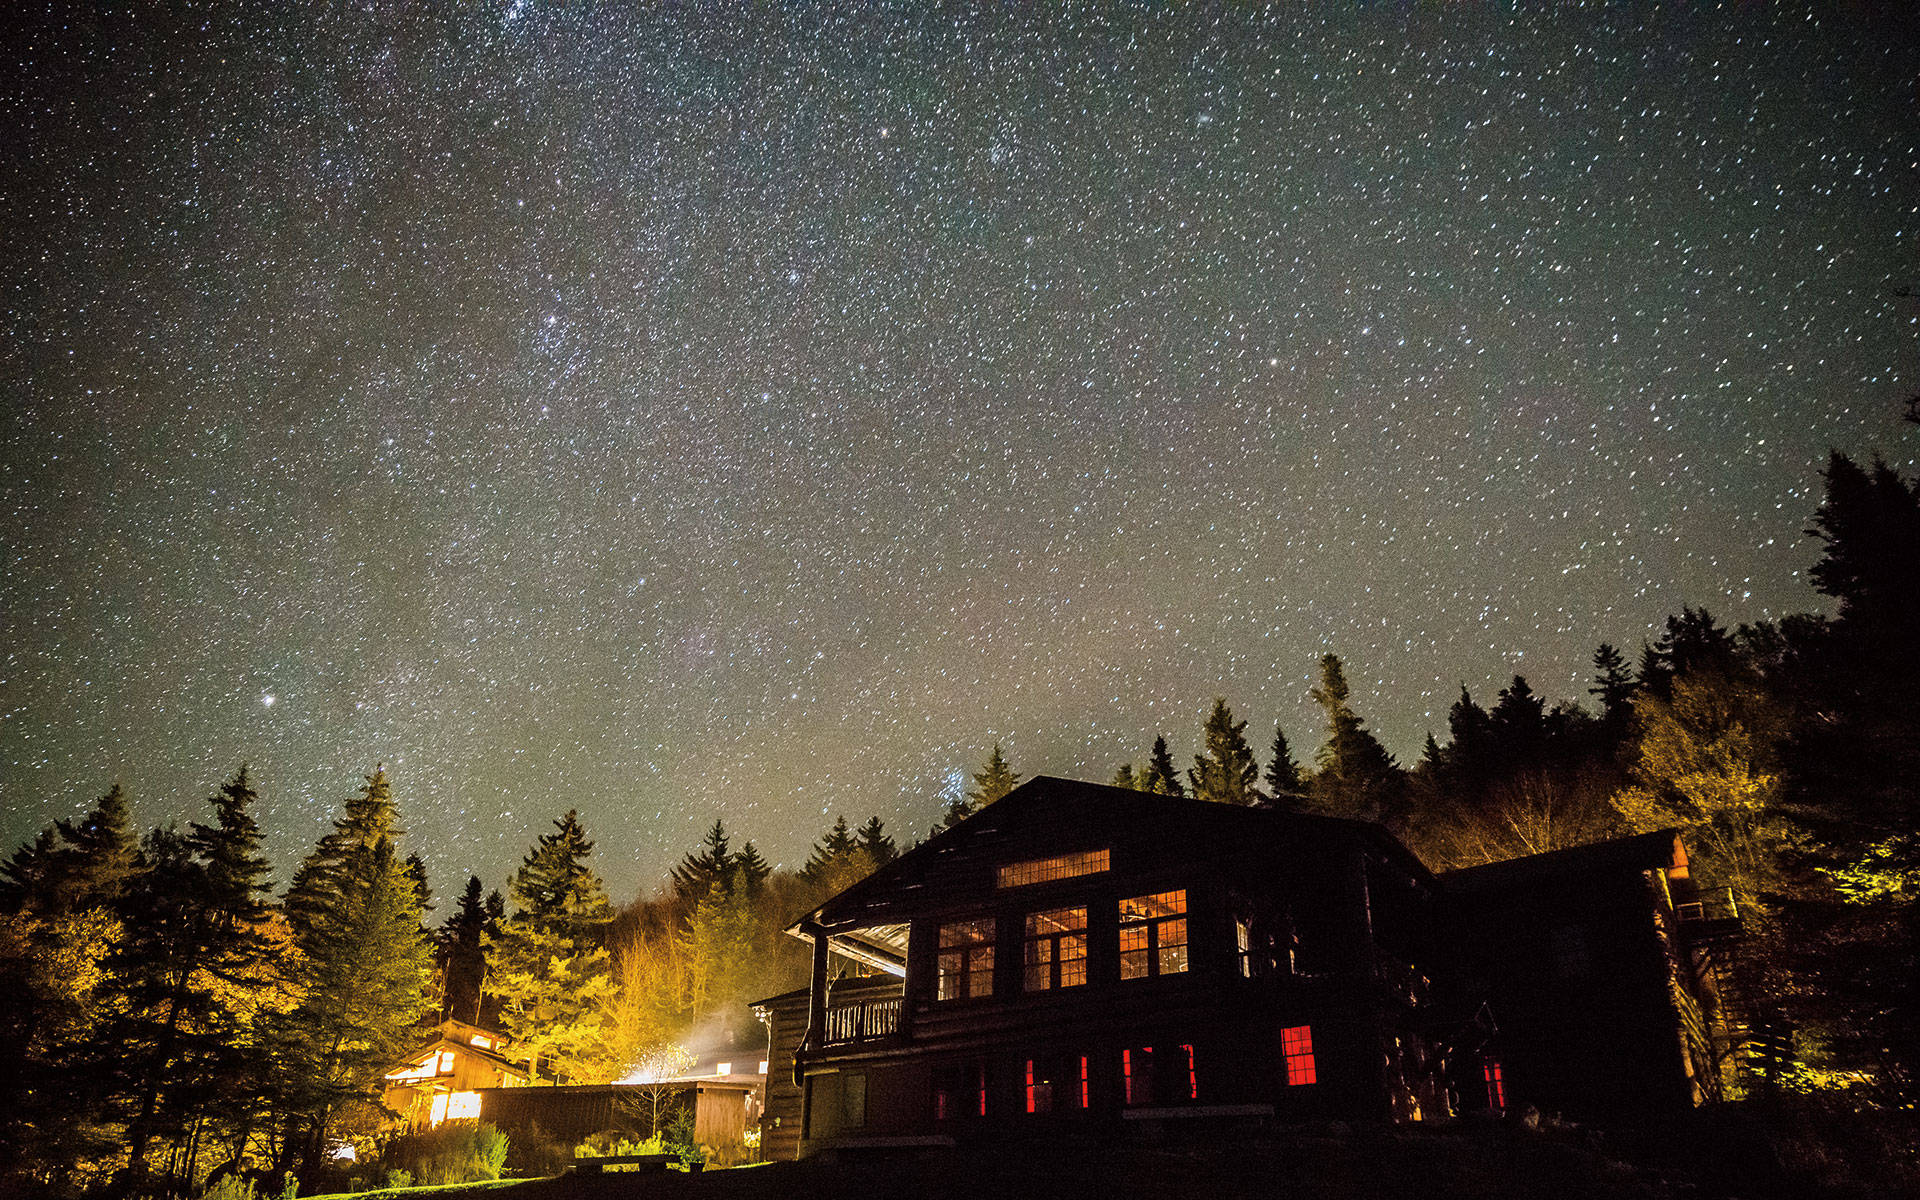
{"x":680,"y":411}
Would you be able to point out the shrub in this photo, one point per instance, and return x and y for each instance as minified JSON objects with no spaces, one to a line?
{"x":229,"y":1187}
{"x":456,"y":1152}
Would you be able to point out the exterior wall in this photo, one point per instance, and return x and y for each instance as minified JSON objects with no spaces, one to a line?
{"x":885,"y":1087}
{"x":1580,"y":975}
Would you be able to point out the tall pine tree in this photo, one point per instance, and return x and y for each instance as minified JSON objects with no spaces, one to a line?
{"x":552,"y":971}
{"x":1285,"y":787}
{"x":994,"y":780}
{"x":362,"y":971}
{"x":1357,"y":777}
{"x":1161,"y":777}
{"x":1226,"y":772}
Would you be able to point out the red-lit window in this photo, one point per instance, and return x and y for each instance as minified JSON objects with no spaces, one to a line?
{"x":1086,"y":1091}
{"x":1296,"y":1044}
{"x":1165,"y":1077}
{"x":1136,"y":1074}
{"x":1496,"y":1083}
{"x":959,"y":1091}
{"x":966,"y":959}
{"x":1056,"y":1082}
{"x":1153,"y":935}
{"x":1056,"y":949}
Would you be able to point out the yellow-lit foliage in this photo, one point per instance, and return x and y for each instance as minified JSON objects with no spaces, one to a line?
{"x":1708,"y":766}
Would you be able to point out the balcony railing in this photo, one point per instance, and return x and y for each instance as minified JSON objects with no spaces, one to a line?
{"x":1717,"y":905}
{"x":863,"y":1021}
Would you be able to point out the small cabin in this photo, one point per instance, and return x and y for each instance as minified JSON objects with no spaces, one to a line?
{"x":438,"y":1080}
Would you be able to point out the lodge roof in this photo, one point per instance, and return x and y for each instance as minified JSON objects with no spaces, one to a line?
{"x":1660,"y":850}
{"x":1090,"y":811}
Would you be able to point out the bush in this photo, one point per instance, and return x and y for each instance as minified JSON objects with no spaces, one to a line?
{"x":229,"y":1187}
{"x":456,"y":1152}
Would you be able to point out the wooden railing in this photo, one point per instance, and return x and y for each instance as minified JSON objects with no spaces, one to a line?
{"x":863,"y":1020}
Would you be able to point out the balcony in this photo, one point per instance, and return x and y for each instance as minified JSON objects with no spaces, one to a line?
{"x":863,"y":1021}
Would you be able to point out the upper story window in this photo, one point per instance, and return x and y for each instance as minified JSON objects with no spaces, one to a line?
{"x":1046,"y":870}
{"x":1153,"y":935}
{"x":966,"y":959}
{"x":1056,"y":954}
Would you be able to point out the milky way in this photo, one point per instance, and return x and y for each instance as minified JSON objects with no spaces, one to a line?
{"x":675,"y":413}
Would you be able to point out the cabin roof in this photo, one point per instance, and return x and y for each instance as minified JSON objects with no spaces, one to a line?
{"x":1660,"y":850}
{"x":1088,"y":812}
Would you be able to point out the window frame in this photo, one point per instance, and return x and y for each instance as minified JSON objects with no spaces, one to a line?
{"x":1156,"y":946}
{"x":1297,"y":1055}
{"x":960,"y":963}
{"x":1058,"y":971}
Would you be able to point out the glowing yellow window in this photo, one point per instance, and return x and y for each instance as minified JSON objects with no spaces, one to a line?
{"x":1153,"y":935}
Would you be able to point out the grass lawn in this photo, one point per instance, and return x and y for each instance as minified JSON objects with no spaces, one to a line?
{"x":1456,"y":1164}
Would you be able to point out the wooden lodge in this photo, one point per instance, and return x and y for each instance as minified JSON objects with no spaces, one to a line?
{"x":1084,"y":957}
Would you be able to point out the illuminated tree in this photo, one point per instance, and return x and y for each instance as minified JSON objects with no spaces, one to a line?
{"x":59,"y":895}
{"x":362,"y":970}
{"x":1124,"y":778}
{"x":186,"y":973}
{"x":551,"y":967}
{"x":838,"y":860}
{"x":1709,"y":766}
{"x":1226,"y":772}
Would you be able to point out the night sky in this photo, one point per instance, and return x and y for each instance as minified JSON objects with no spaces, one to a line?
{"x":679,"y":413}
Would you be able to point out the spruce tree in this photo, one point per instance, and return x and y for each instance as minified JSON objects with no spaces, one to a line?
{"x":552,"y":970}
{"x":1284,"y":784}
{"x":1357,"y":777}
{"x":1161,"y":776}
{"x":838,"y":860}
{"x":711,"y":866}
{"x":1226,"y":772}
{"x":1124,"y":778}
{"x":994,"y":780}
{"x":362,"y":971}
{"x":1613,"y":683}
{"x":463,"y":956}
{"x":874,"y":840}
{"x":750,"y":869}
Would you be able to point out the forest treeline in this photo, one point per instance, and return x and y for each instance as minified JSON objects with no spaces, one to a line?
{"x":170,"y":1015}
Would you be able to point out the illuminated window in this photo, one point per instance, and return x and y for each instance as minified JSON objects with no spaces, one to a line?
{"x":463,"y":1106}
{"x":481,"y":1040}
{"x":1056,"y":949}
{"x":1496,"y":1083}
{"x":438,"y":1113}
{"x":966,"y":959}
{"x":444,"y":1065}
{"x":1086,"y":1091}
{"x":1153,"y":935}
{"x":1056,"y":1083}
{"x":763,"y":1066}
{"x":723,"y":1069}
{"x":1046,"y":870}
{"x":1163,"y":1077}
{"x":1296,"y":1044}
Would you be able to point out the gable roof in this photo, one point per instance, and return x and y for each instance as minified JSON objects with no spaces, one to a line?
{"x":1087,"y":814}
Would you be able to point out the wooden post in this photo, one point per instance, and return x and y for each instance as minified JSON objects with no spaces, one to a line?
{"x":817,"y":992}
